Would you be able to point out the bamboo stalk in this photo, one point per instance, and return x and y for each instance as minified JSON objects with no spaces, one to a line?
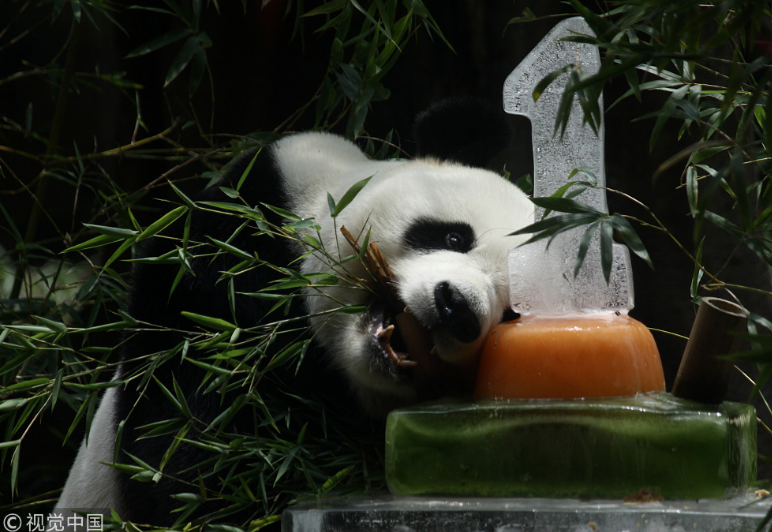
{"x":704,"y":371}
{"x":376,"y":264}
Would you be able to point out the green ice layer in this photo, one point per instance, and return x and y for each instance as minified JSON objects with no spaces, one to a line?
{"x":604,"y":448}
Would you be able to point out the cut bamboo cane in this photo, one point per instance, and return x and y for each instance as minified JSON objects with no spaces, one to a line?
{"x":704,"y":371}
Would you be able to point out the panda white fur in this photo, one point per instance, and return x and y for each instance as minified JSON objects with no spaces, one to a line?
{"x":441,"y":223}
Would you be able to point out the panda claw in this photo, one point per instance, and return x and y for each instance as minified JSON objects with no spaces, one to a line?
{"x":400,"y":360}
{"x":384,"y":335}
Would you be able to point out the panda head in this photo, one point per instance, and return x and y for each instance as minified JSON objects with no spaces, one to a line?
{"x":443,"y":227}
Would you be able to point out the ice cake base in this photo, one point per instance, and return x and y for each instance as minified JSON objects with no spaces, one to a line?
{"x":652,"y":445}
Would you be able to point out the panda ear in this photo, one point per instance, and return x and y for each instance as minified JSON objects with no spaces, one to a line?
{"x":469,"y":131}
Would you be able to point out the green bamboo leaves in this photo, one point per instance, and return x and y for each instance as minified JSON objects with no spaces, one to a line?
{"x":577,"y":214}
{"x":361,"y":58}
{"x":192,"y":54}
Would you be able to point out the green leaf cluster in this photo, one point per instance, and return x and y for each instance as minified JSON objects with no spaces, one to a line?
{"x":362,"y":56}
{"x":301,"y":448}
{"x":577,"y":215}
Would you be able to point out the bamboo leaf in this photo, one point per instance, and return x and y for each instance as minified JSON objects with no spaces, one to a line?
{"x":159,"y":42}
{"x":209,"y":322}
{"x":584,"y":245}
{"x":723,"y":223}
{"x":336,"y":478}
{"x":31,"y":383}
{"x":170,"y":397}
{"x":94,"y":386}
{"x":232,"y":250}
{"x":98,"y":241}
{"x":197,"y":67}
{"x":56,"y":387}
{"x":111,"y":231}
{"x":548,"y":226}
{"x":689,"y":151}
{"x":247,"y":170}
{"x":606,"y":250}
{"x":698,"y":272}
{"x":15,"y":468}
{"x":526,"y":16}
{"x":326,"y":8}
{"x":628,"y":235}
{"x":284,"y":213}
{"x":180,"y":194}
{"x":241,"y":209}
{"x":162,"y":223}
{"x":285,"y":355}
{"x":13,"y":404}
{"x":81,"y":411}
{"x":119,"y":252}
{"x":547,"y":80}
{"x":691,"y":189}
{"x":350,"y":309}
{"x":55,"y":326}
{"x":210,"y":368}
{"x":349,"y":196}
{"x":189,"y":497}
{"x":191,"y":47}
{"x":565,"y":205}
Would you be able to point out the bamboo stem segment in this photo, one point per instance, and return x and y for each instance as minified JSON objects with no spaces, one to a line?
{"x":704,"y":374}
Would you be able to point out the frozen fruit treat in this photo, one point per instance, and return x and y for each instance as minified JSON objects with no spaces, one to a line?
{"x":566,"y":356}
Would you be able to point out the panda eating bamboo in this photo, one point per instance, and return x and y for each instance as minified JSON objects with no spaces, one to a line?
{"x":440,"y":223}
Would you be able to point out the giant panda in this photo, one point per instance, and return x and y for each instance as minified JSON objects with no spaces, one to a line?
{"x":442,"y":222}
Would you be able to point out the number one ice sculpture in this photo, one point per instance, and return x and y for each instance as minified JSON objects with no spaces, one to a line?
{"x":542,"y":278}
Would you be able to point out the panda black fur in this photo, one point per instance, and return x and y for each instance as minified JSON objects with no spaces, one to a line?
{"x":440,"y":222}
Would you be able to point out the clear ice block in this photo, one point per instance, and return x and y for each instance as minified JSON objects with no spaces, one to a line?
{"x":465,"y":514}
{"x":602,"y":448}
{"x":543,"y":280}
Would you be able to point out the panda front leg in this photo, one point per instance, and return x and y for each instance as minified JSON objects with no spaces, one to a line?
{"x":91,"y":485}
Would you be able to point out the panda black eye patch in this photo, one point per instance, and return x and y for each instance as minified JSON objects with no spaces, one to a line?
{"x":429,"y":234}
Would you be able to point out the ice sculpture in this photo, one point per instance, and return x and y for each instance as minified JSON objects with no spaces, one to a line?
{"x":542,"y":280}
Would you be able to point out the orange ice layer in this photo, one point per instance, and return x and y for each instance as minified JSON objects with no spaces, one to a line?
{"x":569,"y":356}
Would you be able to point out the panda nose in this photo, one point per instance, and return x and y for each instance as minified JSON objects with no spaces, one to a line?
{"x":455,"y":314}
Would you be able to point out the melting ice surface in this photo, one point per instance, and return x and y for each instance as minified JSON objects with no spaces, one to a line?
{"x":542,"y":280}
